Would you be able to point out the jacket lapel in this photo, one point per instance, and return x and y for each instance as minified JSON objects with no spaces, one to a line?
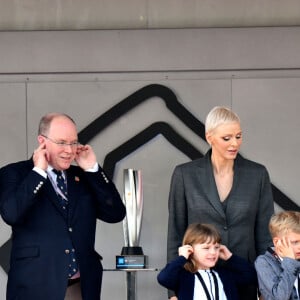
{"x":73,"y":181}
{"x":210,"y":187}
{"x":52,"y":195}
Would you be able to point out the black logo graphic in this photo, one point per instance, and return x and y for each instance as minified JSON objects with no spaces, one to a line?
{"x":172,"y":103}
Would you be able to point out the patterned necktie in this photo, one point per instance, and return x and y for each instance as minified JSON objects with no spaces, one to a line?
{"x":62,"y":185}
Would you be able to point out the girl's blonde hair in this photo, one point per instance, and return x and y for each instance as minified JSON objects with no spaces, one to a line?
{"x":199,"y":233}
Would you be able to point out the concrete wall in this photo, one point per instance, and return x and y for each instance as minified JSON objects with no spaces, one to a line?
{"x":86,"y":73}
{"x":145,"y":14}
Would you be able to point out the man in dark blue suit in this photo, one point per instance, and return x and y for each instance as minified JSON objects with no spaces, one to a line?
{"x":53,"y":226}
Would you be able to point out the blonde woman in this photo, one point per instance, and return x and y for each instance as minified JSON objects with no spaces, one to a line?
{"x":223,"y":189}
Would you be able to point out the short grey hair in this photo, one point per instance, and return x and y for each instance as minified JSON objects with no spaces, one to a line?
{"x":220,"y":115}
{"x":46,"y":120}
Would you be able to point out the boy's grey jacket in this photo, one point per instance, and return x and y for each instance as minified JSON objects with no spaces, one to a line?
{"x":276,"y":278}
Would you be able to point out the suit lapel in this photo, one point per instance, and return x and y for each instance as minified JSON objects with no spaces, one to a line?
{"x":210,"y":187}
{"x":73,"y":181}
{"x":52,"y":195}
{"x":235,"y":190}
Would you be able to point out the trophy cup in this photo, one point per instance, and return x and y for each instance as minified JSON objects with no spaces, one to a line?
{"x":132,"y":256}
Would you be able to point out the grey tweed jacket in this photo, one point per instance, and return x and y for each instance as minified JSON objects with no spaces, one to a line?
{"x":276,"y":278}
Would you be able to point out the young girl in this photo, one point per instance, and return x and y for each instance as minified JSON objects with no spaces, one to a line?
{"x":193,"y":274}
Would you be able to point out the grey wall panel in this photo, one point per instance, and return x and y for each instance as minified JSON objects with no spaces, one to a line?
{"x":157,"y":158}
{"x":150,"y":50}
{"x":269,"y":109}
{"x":62,"y":15}
{"x":203,"y":72}
{"x":13,"y":142}
{"x":128,"y":14}
{"x":222,"y":13}
{"x":88,"y":100}
{"x":258,"y":101}
{"x":13,"y":118}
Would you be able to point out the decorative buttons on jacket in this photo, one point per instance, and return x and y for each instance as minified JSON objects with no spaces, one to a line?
{"x":104,"y":177}
{"x":38,"y":187}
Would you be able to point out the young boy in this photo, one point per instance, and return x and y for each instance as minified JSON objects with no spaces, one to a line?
{"x":278,"y":269}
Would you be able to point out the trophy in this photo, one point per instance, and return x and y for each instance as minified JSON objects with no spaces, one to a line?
{"x":132,"y":256}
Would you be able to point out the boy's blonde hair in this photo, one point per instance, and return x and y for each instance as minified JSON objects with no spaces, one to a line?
{"x":284,"y":222}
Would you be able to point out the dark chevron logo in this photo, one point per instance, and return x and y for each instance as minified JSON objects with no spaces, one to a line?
{"x":137,"y":141}
{"x":172,"y":103}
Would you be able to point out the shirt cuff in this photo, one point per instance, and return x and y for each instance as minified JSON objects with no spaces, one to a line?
{"x":94,"y":169}
{"x":40,"y":171}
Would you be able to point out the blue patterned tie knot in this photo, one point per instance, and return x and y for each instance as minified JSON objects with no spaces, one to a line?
{"x":61,"y":182}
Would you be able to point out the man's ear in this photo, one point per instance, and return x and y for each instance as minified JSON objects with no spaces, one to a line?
{"x":40,"y":139}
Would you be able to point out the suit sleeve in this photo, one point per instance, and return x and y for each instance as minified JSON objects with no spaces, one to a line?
{"x":18,"y":192}
{"x":169,"y":276}
{"x":264,"y":213}
{"x":274,"y":285}
{"x":110,"y":207}
{"x":177,"y":222}
{"x":242,"y":271}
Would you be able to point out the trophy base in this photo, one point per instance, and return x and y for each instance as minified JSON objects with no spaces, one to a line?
{"x":132,"y":251}
{"x":131,"y":258}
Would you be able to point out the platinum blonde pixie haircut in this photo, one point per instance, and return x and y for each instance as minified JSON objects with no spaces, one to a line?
{"x":220,"y":115}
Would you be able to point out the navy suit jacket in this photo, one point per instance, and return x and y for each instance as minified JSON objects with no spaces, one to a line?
{"x":41,"y":233}
{"x":235,"y":271}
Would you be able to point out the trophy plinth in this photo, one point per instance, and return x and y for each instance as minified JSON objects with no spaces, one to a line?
{"x":132,"y":251}
{"x":131,"y":261}
{"x":132,"y":255}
